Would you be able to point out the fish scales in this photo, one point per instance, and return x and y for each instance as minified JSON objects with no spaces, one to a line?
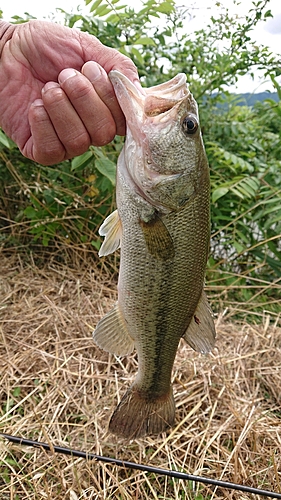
{"x":158,"y":298}
{"x":163,"y":224}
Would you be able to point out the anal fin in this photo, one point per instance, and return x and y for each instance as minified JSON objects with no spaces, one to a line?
{"x":111,"y":334}
{"x":111,"y":228}
{"x":201,"y":333}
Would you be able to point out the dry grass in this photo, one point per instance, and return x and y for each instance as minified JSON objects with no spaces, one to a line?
{"x":56,"y":386}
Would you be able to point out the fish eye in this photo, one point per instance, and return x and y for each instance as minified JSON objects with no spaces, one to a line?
{"x":189,"y":125}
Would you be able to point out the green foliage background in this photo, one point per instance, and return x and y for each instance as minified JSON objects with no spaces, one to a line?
{"x":61,"y":207}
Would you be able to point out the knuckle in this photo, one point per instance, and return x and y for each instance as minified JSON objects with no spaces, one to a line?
{"x":78,"y":89}
{"x":120,"y":60}
{"x":53,"y":96}
{"x":104,"y":135}
{"x":77,"y":144}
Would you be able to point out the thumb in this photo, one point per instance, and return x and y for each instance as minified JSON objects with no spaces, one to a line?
{"x":109,"y":58}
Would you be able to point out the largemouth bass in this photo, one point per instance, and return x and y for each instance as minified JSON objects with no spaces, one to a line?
{"x":162,"y":224}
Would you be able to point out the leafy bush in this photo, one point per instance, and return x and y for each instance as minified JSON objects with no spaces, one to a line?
{"x":244,"y":154}
{"x":66,"y":204}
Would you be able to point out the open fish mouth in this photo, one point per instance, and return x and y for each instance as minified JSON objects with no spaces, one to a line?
{"x":173,"y":89}
{"x":155,"y":117}
{"x":154,"y":101}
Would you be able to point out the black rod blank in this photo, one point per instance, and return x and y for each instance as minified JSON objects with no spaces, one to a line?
{"x":142,"y":467}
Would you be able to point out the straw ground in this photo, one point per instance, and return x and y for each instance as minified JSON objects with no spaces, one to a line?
{"x":58,"y":387}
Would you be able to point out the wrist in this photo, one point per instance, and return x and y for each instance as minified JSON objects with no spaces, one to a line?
{"x":6,"y":32}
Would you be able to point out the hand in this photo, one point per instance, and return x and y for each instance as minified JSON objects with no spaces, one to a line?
{"x":55,"y":96}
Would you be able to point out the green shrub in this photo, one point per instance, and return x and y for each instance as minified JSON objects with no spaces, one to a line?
{"x":65,"y":204}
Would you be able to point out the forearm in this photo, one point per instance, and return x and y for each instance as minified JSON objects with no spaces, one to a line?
{"x":6,"y":32}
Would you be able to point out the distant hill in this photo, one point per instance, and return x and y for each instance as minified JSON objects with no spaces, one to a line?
{"x":250,"y":99}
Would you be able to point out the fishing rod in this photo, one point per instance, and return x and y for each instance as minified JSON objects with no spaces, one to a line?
{"x":142,"y":467}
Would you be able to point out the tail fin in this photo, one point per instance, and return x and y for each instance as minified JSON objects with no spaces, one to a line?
{"x":137,"y":416}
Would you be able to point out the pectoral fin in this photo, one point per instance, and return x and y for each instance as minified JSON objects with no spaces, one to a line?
{"x":201,"y":333}
{"x":111,"y":229}
{"x":111,"y":334}
{"x":158,"y":239}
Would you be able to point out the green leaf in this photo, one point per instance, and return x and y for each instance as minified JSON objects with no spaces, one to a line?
{"x":273,"y":247}
{"x":145,"y":40}
{"x":113,"y":19}
{"x":219,"y":193}
{"x":107,"y":168}
{"x":161,"y":39}
{"x":276,"y":85}
{"x":271,"y":221}
{"x":238,"y":247}
{"x":81,"y":161}
{"x":96,"y":244}
{"x":268,"y":13}
{"x":31,"y":213}
{"x":137,"y":55}
{"x":102,"y":10}
{"x":237,"y":192}
{"x":95,"y":5}
{"x":243,"y":237}
{"x":45,"y":239}
{"x":166,"y":7}
{"x":120,"y":7}
{"x":16,"y":392}
{"x":246,"y":189}
{"x":253,"y":182}
{"x":5,"y":140}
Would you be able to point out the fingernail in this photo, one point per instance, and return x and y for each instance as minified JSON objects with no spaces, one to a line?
{"x":49,"y":85}
{"x":38,"y":102}
{"x":92,"y":70}
{"x":65,"y":74}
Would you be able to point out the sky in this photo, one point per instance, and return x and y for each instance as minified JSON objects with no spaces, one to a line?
{"x":267,"y":33}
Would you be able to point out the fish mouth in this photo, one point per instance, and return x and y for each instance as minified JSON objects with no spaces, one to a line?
{"x":155,"y":101}
{"x":174,"y":88}
{"x":149,"y":113}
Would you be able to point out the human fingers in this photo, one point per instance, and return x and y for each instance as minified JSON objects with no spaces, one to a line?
{"x":94,"y":113}
{"x":103,"y":87}
{"x":67,"y":124}
{"x":43,"y":145}
{"x":108,"y":58}
{"x":57,"y":132}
